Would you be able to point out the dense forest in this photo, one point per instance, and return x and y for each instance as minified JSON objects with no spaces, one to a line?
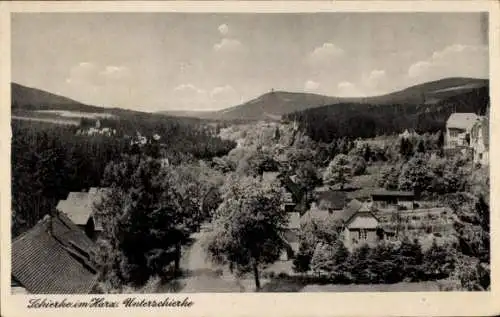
{"x":368,"y":120}
{"x":50,"y":160}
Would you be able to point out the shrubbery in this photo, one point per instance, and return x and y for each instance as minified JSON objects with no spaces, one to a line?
{"x":385,"y":263}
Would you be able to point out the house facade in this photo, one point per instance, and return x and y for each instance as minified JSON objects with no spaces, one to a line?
{"x":480,"y":141}
{"x":357,"y":223}
{"x":388,"y":199}
{"x":360,"y":225}
{"x":458,"y":129}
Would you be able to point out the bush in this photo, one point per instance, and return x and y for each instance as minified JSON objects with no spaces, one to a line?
{"x":358,"y":165}
{"x":438,"y":262}
{"x":409,"y":259}
{"x":302,"y":261}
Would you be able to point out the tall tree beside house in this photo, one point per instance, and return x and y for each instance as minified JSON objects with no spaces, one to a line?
{"x":389,"y":177}
{"x":323,"y":261}
{"x":340,"y":258}
{"x":358,"y":165}
{"x":307,"y":178}
{"x":440,"y":140}
{"x":409,"y":259}
{"x":421,"y":146}
{"x":361,"y":265}
{"x":249,"y":226}
{"x":385,"y":267}
{"x":367,"y":155}
{"x":473,"y":228}
{"x":416,"y":174}
{"x":146,"y":221}
{"x":302,"y":260}
{"x":199,"y":183}
{"x":338,"y":171}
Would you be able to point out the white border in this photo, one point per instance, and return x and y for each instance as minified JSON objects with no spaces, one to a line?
{"x":286,"y":304}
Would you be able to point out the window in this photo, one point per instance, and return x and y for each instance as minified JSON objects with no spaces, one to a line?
{"x":362,"y":234}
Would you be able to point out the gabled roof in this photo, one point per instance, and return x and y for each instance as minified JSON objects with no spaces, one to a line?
{"x":351,"y":209}
{"x":57,"y":263}
{"x":78,"y":206}
{"x":462,"y":120}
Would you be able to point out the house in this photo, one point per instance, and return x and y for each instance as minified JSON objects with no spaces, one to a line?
{"x":391,"y":199}
{"x":458,"y":129}
{"x":357,"y":223}
{"x":360,"y":225}
{"x":291,"y":236}
{"x":480,"y":141}
{"x":53,"y":257}
{"x":78,"y":207}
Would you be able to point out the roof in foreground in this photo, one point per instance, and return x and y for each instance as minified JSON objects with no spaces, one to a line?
{"x":462,"y":120}
{"x":57,"y":263}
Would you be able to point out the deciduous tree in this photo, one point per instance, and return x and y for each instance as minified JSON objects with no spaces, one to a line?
{"x":249,"y":226}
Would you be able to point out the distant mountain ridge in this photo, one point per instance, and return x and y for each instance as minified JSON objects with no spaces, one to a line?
{"x":29,"y":98}
{"x":269,"y":106}
{"x":27,"y":101}
{"x":427,"y":113}
{"x":273,"y":105}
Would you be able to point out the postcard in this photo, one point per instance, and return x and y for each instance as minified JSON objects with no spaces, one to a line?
{"x":236,"y":158}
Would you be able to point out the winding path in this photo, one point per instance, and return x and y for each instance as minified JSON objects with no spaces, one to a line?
{"x":201,"y":274}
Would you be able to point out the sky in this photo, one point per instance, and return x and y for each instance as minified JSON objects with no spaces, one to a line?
{"x":205,"y":61}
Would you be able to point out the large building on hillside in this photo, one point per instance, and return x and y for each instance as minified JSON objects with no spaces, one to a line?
{"x":53,"y":257}
{"x":78,"y":206}
{"x":458,"y":129}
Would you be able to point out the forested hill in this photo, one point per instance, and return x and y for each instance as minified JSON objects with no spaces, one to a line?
{"x":368,"y":120}
{"x":275,"y":104}
{"x":28,"y":98}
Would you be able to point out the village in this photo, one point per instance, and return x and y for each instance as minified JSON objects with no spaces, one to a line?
{"x":358,"y":210}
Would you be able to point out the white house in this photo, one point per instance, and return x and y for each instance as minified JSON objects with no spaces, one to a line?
{"x":458,"y":129}
{"x":78,"y":207}
{"x":480,"y":141}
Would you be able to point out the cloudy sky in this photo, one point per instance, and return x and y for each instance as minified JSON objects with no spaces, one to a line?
{"x":201,"y":61}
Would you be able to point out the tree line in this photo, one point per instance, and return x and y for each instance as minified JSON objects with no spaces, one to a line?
{"x":366,"y":120}
{"x":49,"y":160}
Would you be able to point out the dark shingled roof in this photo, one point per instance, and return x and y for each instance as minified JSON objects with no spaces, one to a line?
{"x":395,"y":193}
{"x":57,"y":263}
